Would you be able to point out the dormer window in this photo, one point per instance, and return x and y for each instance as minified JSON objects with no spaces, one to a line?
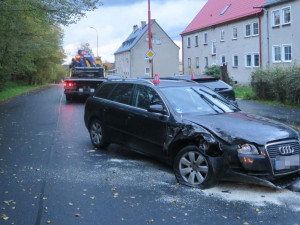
{"x":224,"y":10}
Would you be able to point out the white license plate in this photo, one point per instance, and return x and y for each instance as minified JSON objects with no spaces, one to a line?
{"x":287,"y":162}
{"x":92,"y":90}
{"x":80,"y":89}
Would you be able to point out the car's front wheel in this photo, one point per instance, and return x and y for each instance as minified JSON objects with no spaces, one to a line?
{"x":193,"y":168}
{"x":97,"y":134}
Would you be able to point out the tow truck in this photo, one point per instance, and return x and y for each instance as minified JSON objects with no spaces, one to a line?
{"x":86,"y":74}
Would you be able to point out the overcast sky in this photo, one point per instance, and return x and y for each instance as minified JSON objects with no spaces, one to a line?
{"x":115,"y":19}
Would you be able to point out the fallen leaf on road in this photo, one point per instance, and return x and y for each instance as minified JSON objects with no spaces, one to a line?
{"x":150,"y":221}
{"x":4,"y":217}
{"x":48,"y":221}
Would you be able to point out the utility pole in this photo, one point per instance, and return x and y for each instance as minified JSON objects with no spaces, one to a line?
{"x":150,"y":40}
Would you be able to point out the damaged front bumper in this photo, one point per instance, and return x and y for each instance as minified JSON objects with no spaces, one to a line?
{"x":254,"y":169}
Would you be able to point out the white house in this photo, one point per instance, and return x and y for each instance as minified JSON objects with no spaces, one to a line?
{"x":131,"y":60}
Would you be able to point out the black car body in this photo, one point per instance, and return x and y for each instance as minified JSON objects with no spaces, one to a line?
{"x":194,"y":129}
{"x":213,"y":83}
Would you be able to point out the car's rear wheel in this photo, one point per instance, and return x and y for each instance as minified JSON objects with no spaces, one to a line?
{"x":193,"y":168}
{"x":97,"y":134}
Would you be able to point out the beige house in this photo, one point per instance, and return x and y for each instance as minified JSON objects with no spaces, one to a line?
{"x":242,"y":34}
{"x":131,"y":60}
{"x":281,"y":37}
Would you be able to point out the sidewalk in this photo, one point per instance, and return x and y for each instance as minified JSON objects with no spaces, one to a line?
{"x":281,"y":114}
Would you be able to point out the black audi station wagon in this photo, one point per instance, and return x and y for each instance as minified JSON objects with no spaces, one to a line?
{"x":201,"y":134}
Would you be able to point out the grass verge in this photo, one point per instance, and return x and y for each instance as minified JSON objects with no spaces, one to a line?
{"x":246,"y":93}
{"x":13,"y":89}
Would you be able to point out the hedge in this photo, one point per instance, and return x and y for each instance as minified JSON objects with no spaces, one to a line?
{"x":280,"y":84}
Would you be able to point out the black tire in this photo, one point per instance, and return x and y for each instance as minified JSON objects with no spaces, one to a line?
{"x":68,"y":98}
{"x":97,"y":134}
{"x":192,"y":168}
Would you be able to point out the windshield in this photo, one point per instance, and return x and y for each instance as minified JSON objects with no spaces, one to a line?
{"x":197,"y":99}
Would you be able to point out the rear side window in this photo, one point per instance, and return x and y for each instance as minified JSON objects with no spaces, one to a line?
{"x":122,"y":93}
{"x":146,"y":96}
{"x":104,"y":91}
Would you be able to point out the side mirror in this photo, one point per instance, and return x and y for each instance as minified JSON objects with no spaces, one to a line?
{"x":157,"y":109}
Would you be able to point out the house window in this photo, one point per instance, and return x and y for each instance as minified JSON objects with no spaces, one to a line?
{"x":196,"y":41}
{"x":255,"y":60}
{"x":276,"y":18}
{"x":286,"y":15}
{"x":248,"y":61}
{"x":247,"y":30}
{"x":189,"y":63}
{"x":197,"y":62}
{"x":287,"y":53}
{"x":188,"y":42}
{"x":235,"y":61}
{"x":213,"y":47}
{"x":234,"y":33}
{"x":255,"y":29}
{"x":222,"y":34}
{"x":205,"y":62}
{"x":276,"y":53}
{"x":147,"y":71}
{"x":158,"y":41}
{"x":205,"y":38}
{"x":222,"y":60}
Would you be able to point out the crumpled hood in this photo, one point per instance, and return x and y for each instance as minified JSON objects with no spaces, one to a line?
{"x":238,"y":128}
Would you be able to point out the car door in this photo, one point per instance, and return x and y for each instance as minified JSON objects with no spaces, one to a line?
{"x":148,"y":129}
{"x":116,"y":113}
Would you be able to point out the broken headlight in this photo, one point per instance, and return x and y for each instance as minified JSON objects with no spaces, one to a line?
{"x":248,"y":149}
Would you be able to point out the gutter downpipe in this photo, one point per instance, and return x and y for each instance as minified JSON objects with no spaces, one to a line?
{"x":268,"y":36}
{"x":182,"y":49}
{"x":260,"y":47}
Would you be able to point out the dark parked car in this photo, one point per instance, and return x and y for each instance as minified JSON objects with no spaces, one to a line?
{"x":192,"y":128}
{"x":213,"y":83}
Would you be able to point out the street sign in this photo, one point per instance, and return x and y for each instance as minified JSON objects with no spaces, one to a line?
{"x":150,"y":54}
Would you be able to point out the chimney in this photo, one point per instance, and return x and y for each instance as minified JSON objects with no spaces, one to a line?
{"x":143,"y":24}
{"x":135,"y":27}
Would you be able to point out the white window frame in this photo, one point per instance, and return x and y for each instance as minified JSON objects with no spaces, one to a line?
{"x":147,"y":68}
{"x":273,"y":18}
{"x":283,"y":15}
{"x":222,"y":34}
{"x":246,"y":57}
{"x":253,"y":60}
{"x":253,"y":29}
{"x":283,"y":53}
{"x":273,"y":53}
{"x":221,"y":60}
{"x":247,"y":25}
{"x":196,"y":40}
{"x":188,"y":42}
{"x":233,"y":61}
{"x":205,"y":62}
{"x":213,"y":47}
{"x":197,"y":62}
{"x":205,"y":38}
{"x":234,"y":33}
{"x":189,"y":63}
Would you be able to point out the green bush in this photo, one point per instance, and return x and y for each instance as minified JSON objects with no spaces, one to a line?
{"x":214,"y":71}
{"x":279,"y":84}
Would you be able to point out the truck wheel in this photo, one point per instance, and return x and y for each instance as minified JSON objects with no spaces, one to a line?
{"x":97,"y":134}
{"x":193,"y":168}
{"x":68,"y":98}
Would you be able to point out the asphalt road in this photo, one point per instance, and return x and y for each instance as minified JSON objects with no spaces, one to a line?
{"x":50,"y":174}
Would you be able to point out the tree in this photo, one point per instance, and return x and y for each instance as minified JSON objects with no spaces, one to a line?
{"x":86,"y":47}
{"x":31,"y":39}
